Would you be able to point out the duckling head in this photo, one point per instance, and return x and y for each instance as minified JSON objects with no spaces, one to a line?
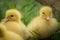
{"x":46,"y":12}
{"x":12,"y":15}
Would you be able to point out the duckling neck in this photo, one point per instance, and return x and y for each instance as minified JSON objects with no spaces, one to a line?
{"x":41,"y":17}
{"x":18,"y":21}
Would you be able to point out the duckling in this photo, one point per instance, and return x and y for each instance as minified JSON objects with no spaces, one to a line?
{"x":43,"y":25}
{"x":13,"y":23}
{"x":8,"y":35}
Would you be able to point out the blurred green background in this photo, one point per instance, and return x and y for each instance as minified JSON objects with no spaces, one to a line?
{"x":29,"y":9}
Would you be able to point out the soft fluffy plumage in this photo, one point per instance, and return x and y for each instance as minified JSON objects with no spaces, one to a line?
{"x":44,"y":25}
{"x":13,"y":23}
{"x":8,"y":35}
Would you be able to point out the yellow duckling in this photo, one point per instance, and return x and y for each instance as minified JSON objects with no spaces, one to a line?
{"x":44,"y":25}
{"x":8,"y":35}
{"x":13,"y":23}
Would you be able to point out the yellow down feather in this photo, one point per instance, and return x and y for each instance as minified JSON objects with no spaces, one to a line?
{"x":8,"y":35}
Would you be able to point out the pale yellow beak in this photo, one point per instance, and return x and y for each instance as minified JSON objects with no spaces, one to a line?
{"x":48,"y":18}
{"x":5,"y":20}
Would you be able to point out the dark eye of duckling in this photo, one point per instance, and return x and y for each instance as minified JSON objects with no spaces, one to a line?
{"x":43,"y":13}
{"x":12,"y":15}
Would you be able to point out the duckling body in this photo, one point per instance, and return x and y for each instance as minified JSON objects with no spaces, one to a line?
{"x":42,"y":25}
{"x":8,"y":35}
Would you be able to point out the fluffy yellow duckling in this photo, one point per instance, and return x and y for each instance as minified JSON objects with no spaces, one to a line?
{"x":8,"y":35}
{"x":44,"y":25}
{"x":13,"y":23}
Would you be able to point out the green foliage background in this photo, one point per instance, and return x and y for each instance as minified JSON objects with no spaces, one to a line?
{"x":28,"y":8}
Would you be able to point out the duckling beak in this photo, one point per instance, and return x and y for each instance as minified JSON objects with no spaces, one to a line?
{"x":5,"y":20}
{"x":48,"y":18}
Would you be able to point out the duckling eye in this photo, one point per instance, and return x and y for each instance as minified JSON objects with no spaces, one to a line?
{"x":12,"y":15}
{"x":43,"y":13}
